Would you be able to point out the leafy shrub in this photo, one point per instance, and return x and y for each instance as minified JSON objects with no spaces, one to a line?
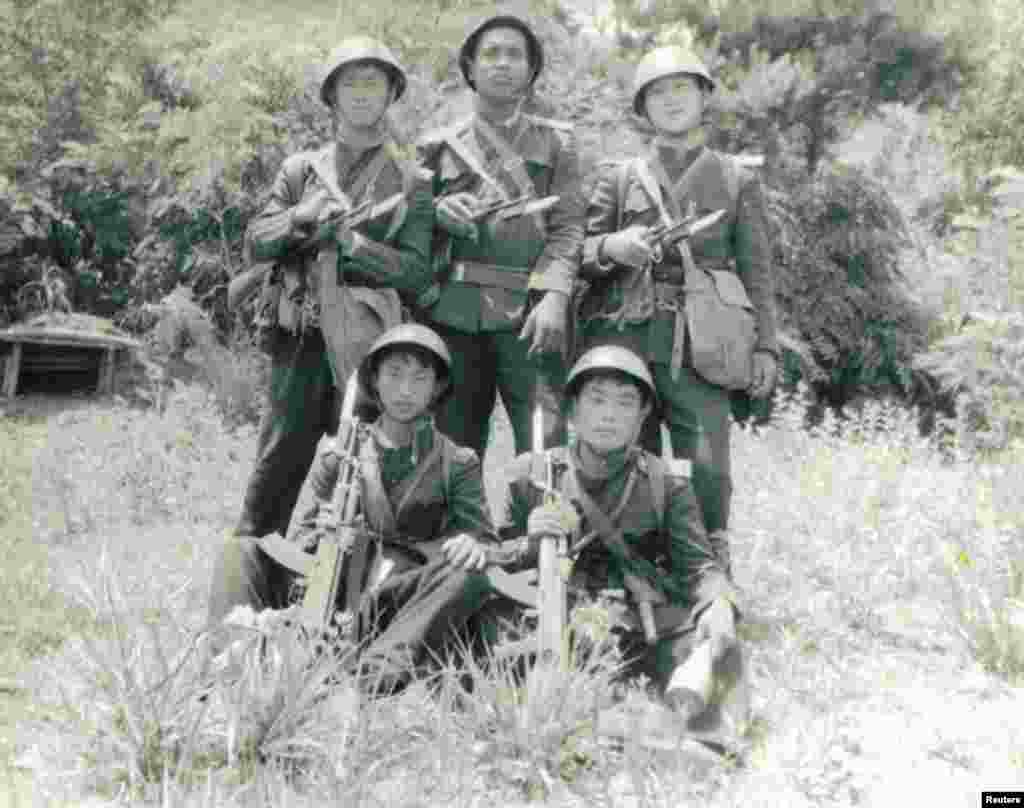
{"x":984,"y":366}
{"x":838,"y":240}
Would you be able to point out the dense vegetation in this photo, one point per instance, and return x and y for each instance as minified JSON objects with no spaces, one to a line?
{"x":129,"y":171}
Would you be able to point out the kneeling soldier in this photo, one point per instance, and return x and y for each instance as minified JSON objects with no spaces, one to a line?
{"x":637,"y":521}
{"x":421,"y":499}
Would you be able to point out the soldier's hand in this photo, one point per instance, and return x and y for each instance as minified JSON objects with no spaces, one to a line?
{"x":558,"y":519}
{"x":455,"y":213}
{"x":718,"y":625}
{"x":632,"y":247}
{"x":765,"y":371}
{"x":546,"y":324}
{"x":310,"y":210}
{"x":465,"y":552}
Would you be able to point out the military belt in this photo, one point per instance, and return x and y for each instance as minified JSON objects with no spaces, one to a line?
{"x":506,"y":277}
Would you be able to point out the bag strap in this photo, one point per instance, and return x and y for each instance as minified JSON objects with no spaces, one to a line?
{"x":613,"y":538}
{"x":656,"y":471}
{"x":651,"y":188}
{"x":470,"y":158}
{"x":621,"y":184}
{"x":512,"y":162}
{"x":666,"y":189}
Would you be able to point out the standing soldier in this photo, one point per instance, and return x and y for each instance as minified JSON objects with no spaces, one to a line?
{"x":421,"y":497}
{"x":631,"y":522}
{"x":507,"y":276}
{"x":700,"y":310}
{"x":331,"y":282}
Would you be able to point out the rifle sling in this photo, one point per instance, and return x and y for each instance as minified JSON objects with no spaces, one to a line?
{"x":513,"y":164}
{"x":651,"y":172}
{"x":465,"y":153}
{"x":615,"y":541}
{"x":627,"y":492}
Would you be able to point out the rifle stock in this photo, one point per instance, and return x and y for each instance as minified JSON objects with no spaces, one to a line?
{"x":339,"y":558}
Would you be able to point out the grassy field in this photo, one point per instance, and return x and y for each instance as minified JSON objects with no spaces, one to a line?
{"x":885,"y":636}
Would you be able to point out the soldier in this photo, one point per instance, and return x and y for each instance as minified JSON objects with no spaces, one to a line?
{"x":720,"y":334}
{"x":608,"y":484}
{"x":421,"y":498}
{"x":506,"y":279}
{"x":330,"y":281}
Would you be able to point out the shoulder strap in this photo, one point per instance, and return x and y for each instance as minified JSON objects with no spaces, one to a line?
{"x":469,"y":157}
{"x":447,"y":460}
{"x":652,"y":189}
{"x":621,"y":185}
{"x":656,"y":470}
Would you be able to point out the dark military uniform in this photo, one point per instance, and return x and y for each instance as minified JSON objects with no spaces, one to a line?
{"x":387,"y":267}
{"x":671,"y":553}
{"x":428,"y":497}
{"x":644,"y":310}
{"x":488,"y":287}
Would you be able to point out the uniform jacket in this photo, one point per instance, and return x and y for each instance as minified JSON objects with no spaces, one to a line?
{"x":392,"y":251}
{"x":436,"y":509}
{"x":738,"y":242}
{"x":674,"y":555}
{"x":548,"y":152}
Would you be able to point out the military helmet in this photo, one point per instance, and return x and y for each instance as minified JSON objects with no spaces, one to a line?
{"x":500,"y":20}
{"x":668,"y":61}
{"x":360,"y":49}
{"x":610,"y":357}
{"x":406,"y":334}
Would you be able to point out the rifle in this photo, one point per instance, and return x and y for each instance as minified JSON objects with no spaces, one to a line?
{"x":552,"y":562}
{"x":353,"y":217}
{"x":341,"y":553}
{"x":679,"y":233}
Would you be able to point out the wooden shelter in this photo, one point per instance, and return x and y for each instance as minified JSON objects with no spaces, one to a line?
{"x":62,"y":352}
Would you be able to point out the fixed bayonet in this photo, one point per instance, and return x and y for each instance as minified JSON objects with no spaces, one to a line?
{"x":684,"y":230}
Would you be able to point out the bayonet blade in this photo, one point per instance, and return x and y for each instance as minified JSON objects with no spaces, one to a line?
{"x":704,"y":222}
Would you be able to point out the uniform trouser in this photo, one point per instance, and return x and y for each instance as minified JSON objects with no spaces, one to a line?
{"x":303,"y":404}
{"x":484,"y":364}
{"x":412,"y":619}
{"x":697,"y":415}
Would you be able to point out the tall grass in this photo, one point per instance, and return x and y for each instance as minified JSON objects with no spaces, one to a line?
{"x":868,"y":555}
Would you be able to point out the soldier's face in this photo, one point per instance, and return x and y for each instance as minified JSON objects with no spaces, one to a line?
{"x":406,"y":386}
{"x":608,"y":413}
{"x":501,"y":65}
{"x":675,"y":104}
{"x":362,"y":93}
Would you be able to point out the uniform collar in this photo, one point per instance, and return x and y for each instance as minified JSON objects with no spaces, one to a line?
{"x":615,"y":463}
{"x":676,"y":161}
{"x":422,"y":438}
